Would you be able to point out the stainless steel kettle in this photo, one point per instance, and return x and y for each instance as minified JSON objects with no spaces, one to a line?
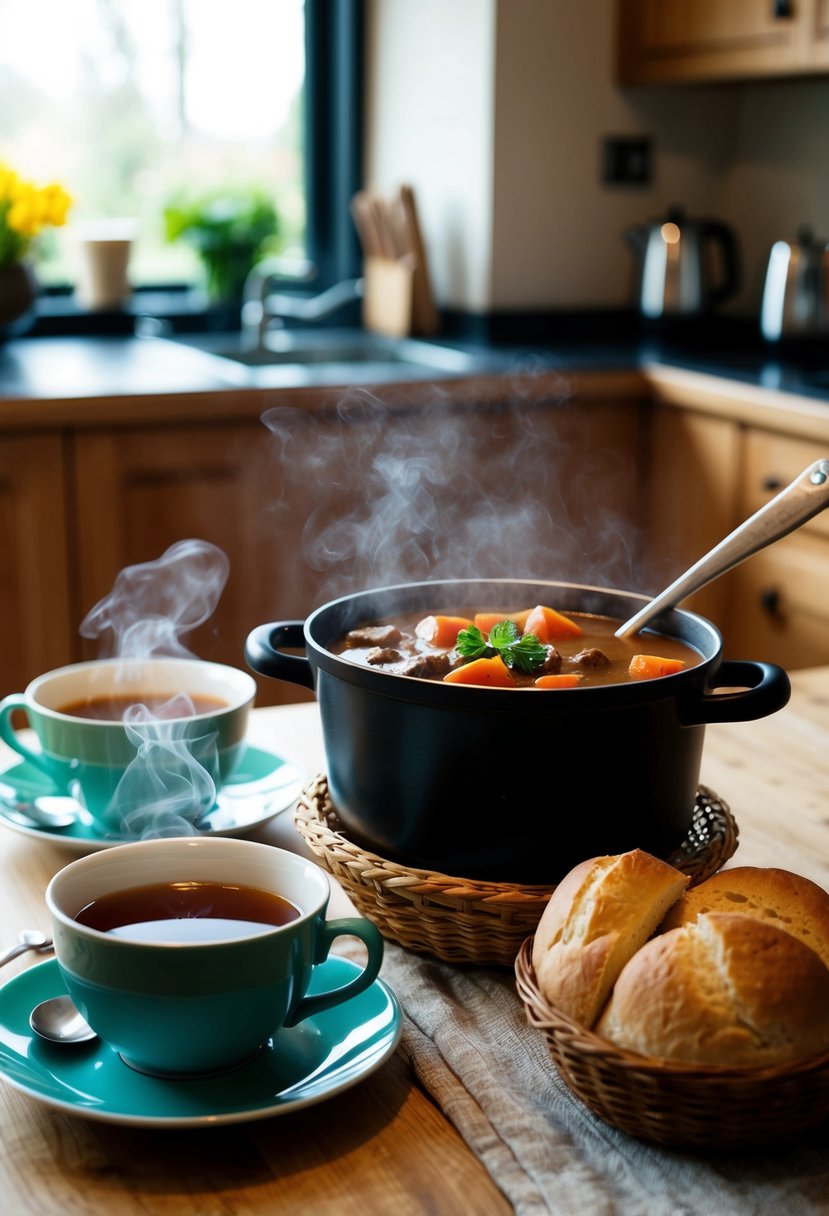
{"x":795,"y":301}
{"x":678,"y":273}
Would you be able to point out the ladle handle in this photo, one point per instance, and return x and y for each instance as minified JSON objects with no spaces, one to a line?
{"x":807,"y":495}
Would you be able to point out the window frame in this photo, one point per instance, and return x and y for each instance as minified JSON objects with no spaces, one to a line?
{"x":334,"y":67}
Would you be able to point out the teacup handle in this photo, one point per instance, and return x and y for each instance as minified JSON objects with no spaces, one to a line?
{"x":11,"y":737}
{"x":347,"y":926}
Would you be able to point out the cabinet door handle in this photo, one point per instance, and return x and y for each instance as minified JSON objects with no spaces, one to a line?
{"x":781,"y":10}
{"x":771,"y":483}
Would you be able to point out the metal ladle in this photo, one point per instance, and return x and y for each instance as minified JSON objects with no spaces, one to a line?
{"x":60,"y":1022}
{"x":807,"y":495}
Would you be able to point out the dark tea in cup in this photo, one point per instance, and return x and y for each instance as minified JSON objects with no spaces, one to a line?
{"x":191,"y":911}
{"x":162,"y":706}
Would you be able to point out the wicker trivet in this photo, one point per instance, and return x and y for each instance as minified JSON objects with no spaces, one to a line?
{"x":464,"y":920}
{"x":680,"y":1105}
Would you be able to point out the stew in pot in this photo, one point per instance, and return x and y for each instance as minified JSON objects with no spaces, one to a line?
{"x":534,"y":648}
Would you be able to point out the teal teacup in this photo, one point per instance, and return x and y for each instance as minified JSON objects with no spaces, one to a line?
{"x":195,"y":993}
{"x":166,"y":735}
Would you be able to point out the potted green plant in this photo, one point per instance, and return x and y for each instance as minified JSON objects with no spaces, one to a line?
{"x":229,"y":230}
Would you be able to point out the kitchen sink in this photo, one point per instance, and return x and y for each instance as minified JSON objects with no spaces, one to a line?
{"x":336,"y":354}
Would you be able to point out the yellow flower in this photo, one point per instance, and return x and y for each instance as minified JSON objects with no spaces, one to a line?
{"x":57,"y":202}
{"x":8,"y":181}
{"x":25,"y":209}
{"x":26,"y":213}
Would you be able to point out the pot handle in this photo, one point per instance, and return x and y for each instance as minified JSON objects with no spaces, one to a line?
{"x":762,"y":689}
{"x":264,"y":656}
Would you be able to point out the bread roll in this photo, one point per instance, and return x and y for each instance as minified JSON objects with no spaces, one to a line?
{"x":725,"y":989}
{"x":597,"y":918}
{"x":787,"y":900}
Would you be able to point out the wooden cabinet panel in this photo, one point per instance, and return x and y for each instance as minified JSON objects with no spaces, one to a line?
{"x":782,"y":604}
{"x":141,"y":491}
{"x":34,"y":565}
{"x":782,"y":593}
{"x":771,"y":462}
{"x":665,"y":41}
{"x":693,"y":499}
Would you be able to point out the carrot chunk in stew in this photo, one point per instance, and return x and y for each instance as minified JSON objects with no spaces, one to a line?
{"x":547,"y":624}
{"x":486,"y":621}
{"x":651,"y":666}
{"x":441,"y":631}
{"x":492,"y":672}
{"x":562,"y":680}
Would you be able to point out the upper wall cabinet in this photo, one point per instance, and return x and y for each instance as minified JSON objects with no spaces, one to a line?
{"x":676,"y":41}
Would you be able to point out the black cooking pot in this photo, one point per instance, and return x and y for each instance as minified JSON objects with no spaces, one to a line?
{"x":501,"y":784}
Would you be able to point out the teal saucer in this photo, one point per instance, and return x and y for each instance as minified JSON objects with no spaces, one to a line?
{"x":298,"y":1067}
{"x":263,"y":786}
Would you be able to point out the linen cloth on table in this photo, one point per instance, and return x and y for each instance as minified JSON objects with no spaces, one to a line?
{"x":471,"y":1048}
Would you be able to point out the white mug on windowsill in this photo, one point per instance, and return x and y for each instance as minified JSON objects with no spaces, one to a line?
{"x":104,"y":248}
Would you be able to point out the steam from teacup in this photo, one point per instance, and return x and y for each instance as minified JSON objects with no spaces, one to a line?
{"x":153,"y":604}
{"x":169,"y":785}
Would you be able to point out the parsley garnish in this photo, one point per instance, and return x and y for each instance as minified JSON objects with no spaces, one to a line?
{"x":523,"y":653}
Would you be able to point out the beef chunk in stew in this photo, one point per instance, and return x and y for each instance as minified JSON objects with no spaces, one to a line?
{"x":551,"y":665}
{"x":379,"y":655}
{"x":432,"y":666}
{"x":374,"y":635}
{"x":590,"y":659}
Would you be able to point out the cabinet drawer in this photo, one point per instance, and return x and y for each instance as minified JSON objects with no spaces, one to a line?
{"x":781,"y":598}
{"x":771,"y":462}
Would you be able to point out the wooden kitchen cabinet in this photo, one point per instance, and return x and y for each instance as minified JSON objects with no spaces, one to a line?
{"x":676,"y":41}
{"x":708,"y":473}
{"x":34,"y":560}
{"x":782,"y":593}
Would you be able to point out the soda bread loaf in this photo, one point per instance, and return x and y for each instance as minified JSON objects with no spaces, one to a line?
{"x":723,"y":989}
{"x":596,"y":919}
{"x":780,"y":898}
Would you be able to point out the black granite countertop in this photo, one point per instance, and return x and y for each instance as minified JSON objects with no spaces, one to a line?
{"x":79,"y":366}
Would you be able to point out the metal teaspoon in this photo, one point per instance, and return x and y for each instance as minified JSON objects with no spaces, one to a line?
{"x":45,"y":810}
{"x":807,"y":495}
{"x":60,"y":1022}
{"x":30,"y":939}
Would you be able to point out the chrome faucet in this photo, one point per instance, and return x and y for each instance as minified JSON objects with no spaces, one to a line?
{"x":263,"y":309}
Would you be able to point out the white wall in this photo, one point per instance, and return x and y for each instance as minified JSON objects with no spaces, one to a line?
{"x":494,"y":110}
{"x":430,"y":70}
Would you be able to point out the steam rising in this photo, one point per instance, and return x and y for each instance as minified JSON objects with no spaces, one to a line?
{"x":151,"y":605}
{"x":170,"y":784}
{"x":441,"y":491}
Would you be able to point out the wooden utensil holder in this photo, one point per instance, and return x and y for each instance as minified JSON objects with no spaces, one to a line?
{"x":387,"y":296}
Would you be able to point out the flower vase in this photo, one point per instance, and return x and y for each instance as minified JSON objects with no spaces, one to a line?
{"x":18,"y":296}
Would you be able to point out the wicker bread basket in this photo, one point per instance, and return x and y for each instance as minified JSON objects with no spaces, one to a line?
{"x":674,"y":1104}
{"x":462,"y":920}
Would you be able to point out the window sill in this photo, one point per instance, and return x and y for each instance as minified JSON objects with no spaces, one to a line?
{"x":173,"y":310}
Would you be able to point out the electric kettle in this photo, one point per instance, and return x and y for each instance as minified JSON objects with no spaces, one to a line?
{"x":795,"y":293}
{"x":678,"y":271}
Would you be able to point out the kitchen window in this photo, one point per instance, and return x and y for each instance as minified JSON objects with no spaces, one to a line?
{"x":131,"y":105}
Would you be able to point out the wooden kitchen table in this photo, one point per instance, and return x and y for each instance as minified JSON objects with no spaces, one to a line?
{"x":382,"y":1146}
